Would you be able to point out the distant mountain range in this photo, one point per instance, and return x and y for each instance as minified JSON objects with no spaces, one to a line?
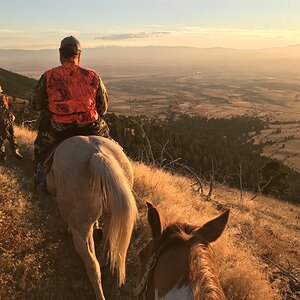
{"x":121,"y":61}
{"x":114,"y":60}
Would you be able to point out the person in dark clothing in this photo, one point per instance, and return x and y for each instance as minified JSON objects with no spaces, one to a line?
{"x":7,"y":128}
{"x":72,"y":101}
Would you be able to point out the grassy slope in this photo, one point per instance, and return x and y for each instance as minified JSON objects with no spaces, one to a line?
{"x":17,"y":85}
{"x":38,"y":260}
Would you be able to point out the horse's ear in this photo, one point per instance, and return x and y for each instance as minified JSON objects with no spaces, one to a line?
{"x":213,"y":229}
{"x":154,"y":220}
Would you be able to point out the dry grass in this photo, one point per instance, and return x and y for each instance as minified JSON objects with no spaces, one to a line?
{"x":19,"y":262}
{"x":25,"y":138}
{"x":38,"y":261}
{"x":242,"y":274}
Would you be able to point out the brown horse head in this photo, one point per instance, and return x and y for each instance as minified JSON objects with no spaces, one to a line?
{"x":176,"y":263}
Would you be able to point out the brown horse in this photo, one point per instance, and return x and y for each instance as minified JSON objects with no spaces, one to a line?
{"x":176,"y":263}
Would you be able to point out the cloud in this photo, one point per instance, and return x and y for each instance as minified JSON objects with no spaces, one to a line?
{"x":126,"y":36}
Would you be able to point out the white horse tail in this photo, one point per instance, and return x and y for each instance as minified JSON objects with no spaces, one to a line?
{"x":109,"y":180}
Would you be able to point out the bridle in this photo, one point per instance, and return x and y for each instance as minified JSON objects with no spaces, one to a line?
{"x":142,"y":286}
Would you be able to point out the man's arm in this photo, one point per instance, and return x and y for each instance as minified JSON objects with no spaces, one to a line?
{"x":39,"y":99}
{"x":102,"y":99}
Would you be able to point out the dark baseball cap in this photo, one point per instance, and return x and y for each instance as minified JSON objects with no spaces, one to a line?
{"x":70,"y":42}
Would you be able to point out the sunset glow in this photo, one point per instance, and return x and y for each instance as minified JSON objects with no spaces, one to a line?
{"x":242,"y":24}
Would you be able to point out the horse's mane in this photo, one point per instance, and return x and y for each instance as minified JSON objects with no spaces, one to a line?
{"x":201,"y":272}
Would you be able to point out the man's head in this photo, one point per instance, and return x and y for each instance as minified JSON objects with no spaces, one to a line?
{"x":70,"y":49}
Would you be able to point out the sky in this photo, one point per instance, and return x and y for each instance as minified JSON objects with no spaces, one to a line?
{"x":242,"y":24}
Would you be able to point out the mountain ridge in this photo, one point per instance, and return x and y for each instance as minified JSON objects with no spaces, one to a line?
{"x":16,"y":85}
{"x":159,"y":46}
{"x":158,"y":59}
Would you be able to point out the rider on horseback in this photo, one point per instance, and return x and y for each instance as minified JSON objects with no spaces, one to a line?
{"x":6,"y":128}
{"x":72,"y":101}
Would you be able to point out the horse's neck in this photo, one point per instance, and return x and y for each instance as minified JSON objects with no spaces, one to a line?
{"x":202,"y":275}
{"x":171,"y":273}
{"x":186,"y":273}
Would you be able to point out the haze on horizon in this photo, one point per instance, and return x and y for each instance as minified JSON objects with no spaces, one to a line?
{"x":241,"y":24}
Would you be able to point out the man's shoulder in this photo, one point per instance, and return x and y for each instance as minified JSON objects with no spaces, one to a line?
{"x":52,"y":70}
{"x":91,"y":71}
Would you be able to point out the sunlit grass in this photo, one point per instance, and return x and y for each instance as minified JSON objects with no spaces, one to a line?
{"x":258,"y":228}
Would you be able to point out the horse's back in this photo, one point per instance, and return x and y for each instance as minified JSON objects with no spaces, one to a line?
{"x":72,"y":158}
{"x":80,"y":148}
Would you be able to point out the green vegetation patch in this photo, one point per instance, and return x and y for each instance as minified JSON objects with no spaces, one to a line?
{"x":222,"y":148}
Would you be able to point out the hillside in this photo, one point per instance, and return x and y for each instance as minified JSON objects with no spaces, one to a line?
{"x":16,"y":85}
{"x":223,"y":148}
{"x":257,"y":257}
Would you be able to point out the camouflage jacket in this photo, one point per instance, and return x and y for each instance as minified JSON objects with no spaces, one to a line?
{"x":6,"y":117}
{"x":39,"y":100}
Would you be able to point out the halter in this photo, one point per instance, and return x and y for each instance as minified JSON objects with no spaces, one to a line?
{"x":142,"y":286}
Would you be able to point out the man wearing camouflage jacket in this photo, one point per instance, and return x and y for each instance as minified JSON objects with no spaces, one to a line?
{"x":7,"y":129}
{"x":72,"y":101}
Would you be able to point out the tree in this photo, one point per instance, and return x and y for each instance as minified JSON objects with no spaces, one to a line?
{"x":274,"y":178}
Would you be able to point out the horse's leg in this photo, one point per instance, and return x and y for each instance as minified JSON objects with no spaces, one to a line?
{"x":84,"y":245}
{"x":105,"y":247}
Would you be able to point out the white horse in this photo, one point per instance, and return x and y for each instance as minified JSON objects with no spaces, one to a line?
{"x":91,"y":175}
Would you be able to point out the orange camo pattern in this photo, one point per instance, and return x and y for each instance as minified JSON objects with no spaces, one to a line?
{"x":71,"y":91}
{"x":5,"y":101}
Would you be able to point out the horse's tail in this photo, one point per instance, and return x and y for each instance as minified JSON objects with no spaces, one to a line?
{"x":109,"y":178}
